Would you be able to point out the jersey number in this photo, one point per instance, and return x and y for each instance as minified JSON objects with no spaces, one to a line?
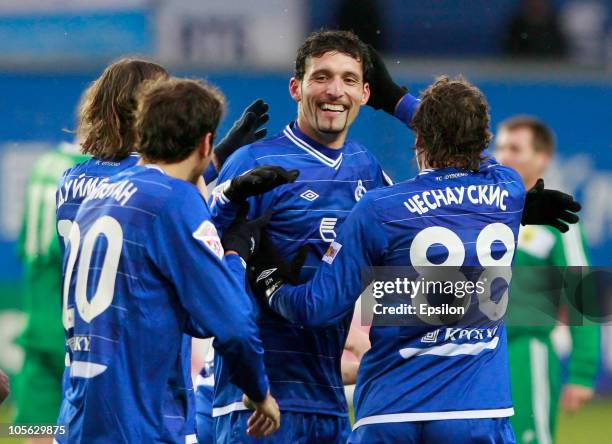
{"x":496,"y":232}
{"x":88,"y":309}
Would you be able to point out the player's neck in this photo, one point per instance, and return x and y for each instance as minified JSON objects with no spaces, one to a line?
{"x":331,"y":140}
{"x":184,"y":170}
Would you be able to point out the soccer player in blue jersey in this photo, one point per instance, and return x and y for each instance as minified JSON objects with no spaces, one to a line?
{"x":424,"y":384}
{"x":303,"y":364}
{"x":144,"y":266}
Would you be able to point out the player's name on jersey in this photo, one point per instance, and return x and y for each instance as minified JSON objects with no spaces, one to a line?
{"x":491,"y":195}
{"x":78,"y":188}
{"x":121,"y":191}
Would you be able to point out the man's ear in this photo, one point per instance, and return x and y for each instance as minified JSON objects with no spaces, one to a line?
{"x":205,"y":147}
{"x":295,"y":89}
{"x":366,"y":93}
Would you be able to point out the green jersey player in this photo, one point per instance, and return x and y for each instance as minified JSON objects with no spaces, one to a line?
{"x":39,"y":383}
{"x":527,"y":145}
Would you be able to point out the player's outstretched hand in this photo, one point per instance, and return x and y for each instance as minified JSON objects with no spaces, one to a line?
{"x":549,"y":207}
{"x":267,"y":271}
{"x":246,"y":130}
{"x":384,"y":92}
{"x":266,"y":418}
{"x":258,"y":181}
{"x":4,"y":386}
{"x":243,"y":235}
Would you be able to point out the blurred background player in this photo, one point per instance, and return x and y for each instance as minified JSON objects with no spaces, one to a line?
{"x":144,"y":285}
{"x":39,"y":384}
{"x":528,"y":145}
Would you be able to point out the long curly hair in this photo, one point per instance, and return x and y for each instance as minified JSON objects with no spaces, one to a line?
{"x":106,"y":119}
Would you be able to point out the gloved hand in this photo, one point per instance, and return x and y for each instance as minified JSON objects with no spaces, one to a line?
{"x":244,"y":235}
{"x":384,"y":92}
{"x":267,"y":271}
{"x":258,"y":181}
{"x":246,"y":130}
{"x":549,"y":207}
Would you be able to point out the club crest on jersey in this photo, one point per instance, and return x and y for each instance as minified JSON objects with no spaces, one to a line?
{"x":327,"y":228}
{"x":332,"y":252}
{"x":359,"y":190}
{"x":207,"y":234}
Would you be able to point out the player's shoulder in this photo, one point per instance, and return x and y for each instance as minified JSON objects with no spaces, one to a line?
{"x":157,"y":190}
{"x":501,"y":172}
{"x":358,"y":151}
{"x":269,"y":151}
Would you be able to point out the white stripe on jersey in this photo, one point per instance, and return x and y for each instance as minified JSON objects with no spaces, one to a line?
{"x":233,"y":407}
{"x":573,"y":248}
{"x":83,"y":369}
{"x":538,"y":353}
{"x":434,"y":416}
{"x":450,"y":349}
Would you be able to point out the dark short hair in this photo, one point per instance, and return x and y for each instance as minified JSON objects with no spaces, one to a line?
{"x":543,"y":137}
{"x":322,"y":41}
{"x":452,"y":124}
{"x":174,"y":115}
{"x":106,"y":110}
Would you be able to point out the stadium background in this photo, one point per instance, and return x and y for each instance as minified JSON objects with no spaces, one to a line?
{"x":50,"y":51}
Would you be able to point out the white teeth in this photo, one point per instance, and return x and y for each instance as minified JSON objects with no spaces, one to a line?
{"x":331,"y":107}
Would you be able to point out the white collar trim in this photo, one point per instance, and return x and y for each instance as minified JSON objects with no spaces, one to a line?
{"x":314,"y":152}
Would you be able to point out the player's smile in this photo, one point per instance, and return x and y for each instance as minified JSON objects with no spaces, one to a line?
{"x":329,"y":97}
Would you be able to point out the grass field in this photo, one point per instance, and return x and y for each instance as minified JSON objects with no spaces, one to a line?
{"x":593,"y":425}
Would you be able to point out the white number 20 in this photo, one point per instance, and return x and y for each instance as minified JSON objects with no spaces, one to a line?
{"x":105,"y":291}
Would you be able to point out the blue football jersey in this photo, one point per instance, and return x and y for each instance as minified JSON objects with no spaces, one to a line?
{"x":143,"y":264}
{"x":303,"y":364}
{"x":77,"y":182}
{"x":450,"y":217}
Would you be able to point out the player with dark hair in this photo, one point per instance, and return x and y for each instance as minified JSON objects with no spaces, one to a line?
{"x":527,"y":144}
{"x":417,"y":384}
{"x":303,"y":364}
{"x":106,"y":128}
{"x":144,"y":266}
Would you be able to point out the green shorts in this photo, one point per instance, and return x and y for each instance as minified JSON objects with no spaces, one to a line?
{"x":535,"y":377}
{"x":39,"y":387}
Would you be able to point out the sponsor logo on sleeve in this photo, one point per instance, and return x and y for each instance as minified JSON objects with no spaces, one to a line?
{"x":207,"y":234}
{"x":332,"y":252}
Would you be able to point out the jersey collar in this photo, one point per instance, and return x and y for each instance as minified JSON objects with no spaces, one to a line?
{"x":328,"y":156}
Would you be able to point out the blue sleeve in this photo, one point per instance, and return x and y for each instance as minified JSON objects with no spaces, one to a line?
{"x":224,"y":211}
{"x":337,"y":284}
{"x":210,"y":174}
{"x":186,"y":248}
{"x":406,"y":108}
{"x":238,"y":268}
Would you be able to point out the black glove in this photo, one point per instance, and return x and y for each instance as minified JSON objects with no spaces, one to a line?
{"x":243,"y":235}
{"x":245,"y":131}
{"x":384,"y":92}
{"x":267,"y":271}
{"x":258,"y":181}
{"x":549,"y":207}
